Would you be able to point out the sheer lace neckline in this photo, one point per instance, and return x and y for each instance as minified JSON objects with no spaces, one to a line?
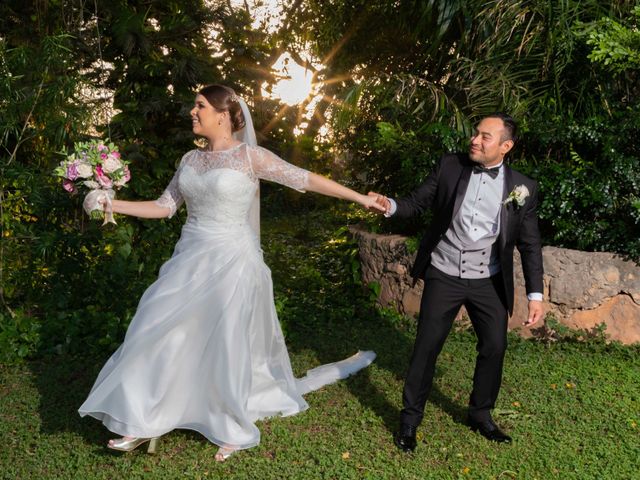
{"x":225,"y":150}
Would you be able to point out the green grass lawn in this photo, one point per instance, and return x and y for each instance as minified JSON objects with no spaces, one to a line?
{"x":572,"y":408}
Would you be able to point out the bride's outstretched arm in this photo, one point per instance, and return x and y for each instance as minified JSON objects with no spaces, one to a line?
{"x":268,"y":166}
{"x":319,"y":184}
{"x":145,"y":209}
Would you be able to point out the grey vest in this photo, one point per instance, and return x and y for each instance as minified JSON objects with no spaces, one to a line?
{"x":468,"y":248}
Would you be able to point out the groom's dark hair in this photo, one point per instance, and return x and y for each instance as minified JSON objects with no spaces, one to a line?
{"x":510,"y":126}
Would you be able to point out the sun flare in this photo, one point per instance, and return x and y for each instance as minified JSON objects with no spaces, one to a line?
{"x":295,"y":84}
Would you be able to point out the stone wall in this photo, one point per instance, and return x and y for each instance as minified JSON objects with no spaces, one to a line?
{"x":581,"y":289}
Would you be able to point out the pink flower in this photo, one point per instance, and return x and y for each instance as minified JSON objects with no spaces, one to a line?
{"x":68,"y":185}
{"x":102,"y":147}
{"x":127,"y":173}
{"x":103,"y":156}
{"x":102,"y":179}
{"x":72,"y":171}
{"x":115,"y":154}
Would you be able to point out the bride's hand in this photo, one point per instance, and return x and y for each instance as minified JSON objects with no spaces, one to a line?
{"x":371,"y":203}
{"x":380,"y":205}
{"x":381,"y":200}
{"x":96,"y":200}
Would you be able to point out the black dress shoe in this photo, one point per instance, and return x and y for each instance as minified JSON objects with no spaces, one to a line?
{"x":405,"y":438}
{"x":489,"y":430}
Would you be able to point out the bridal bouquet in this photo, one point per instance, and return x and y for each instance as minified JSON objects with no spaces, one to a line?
{"x":98,"y":167}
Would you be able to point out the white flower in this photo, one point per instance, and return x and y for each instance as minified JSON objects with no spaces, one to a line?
{"x":84,"y":170}
{"x":91,"y":184}
{"x":518,"y":195}
{"x":120,"y":182}
{"x":111,"y":164}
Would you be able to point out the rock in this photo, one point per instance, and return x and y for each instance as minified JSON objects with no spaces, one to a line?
{"x":584,"y":279}
{"x":411,"y":300}
{"x":620,"y":314}
{"x":581,"y":289}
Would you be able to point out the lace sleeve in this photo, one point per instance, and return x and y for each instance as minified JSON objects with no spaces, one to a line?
{"x":171,"y":197}
{"x":268,"y":166}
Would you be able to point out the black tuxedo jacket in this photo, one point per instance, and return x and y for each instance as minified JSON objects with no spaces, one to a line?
{"x":443,"y":192}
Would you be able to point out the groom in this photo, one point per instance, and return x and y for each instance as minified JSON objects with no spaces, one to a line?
{"x":481,"y":210}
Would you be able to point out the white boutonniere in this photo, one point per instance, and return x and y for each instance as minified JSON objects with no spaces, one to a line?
{"x":518,"y":195}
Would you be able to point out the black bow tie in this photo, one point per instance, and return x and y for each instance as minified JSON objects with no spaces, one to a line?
{"x":492,"y":172}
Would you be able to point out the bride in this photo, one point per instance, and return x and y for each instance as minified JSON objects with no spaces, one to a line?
{"x":204,"y":350}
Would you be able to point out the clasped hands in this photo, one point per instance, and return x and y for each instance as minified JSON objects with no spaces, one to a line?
{"x":381,"y":203}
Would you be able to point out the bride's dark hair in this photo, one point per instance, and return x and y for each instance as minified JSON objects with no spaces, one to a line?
{"x":224,"y":99}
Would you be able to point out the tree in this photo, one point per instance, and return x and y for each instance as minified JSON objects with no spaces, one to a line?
{"x":126,"y":70}
{"x":412,"y":90}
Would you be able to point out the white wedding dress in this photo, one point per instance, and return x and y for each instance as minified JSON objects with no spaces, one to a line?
{"x":204,"y":350}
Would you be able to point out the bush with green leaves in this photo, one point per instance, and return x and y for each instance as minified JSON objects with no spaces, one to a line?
{"x":123,"y":70}
{"x":567,"y":71}
{"x":589,"y":186}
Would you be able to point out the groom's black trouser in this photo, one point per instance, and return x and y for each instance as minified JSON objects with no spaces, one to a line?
{"x":442,"y":298}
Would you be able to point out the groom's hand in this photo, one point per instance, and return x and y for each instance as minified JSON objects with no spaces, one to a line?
{"x":381,"y":200}
{"x":535,"y":313}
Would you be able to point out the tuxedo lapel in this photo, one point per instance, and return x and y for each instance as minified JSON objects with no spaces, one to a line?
{"x":461,"y":190}
{"x":504,"y":208}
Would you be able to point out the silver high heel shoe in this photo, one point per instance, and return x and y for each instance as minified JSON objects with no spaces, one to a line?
{"x":223,"y":453}
{"x":128,"y":445}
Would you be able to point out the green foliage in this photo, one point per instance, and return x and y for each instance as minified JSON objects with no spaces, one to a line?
{"x":125,"y":72}
{"x":615,"y":45}
{"x":567,"y":70}
{"x":375,"y":290}
{"x":589,"y":184}
{"x":571,"y":407}
{"x":39,"y":113}
{"x":299,"y":253}
{"x":19,"y":336}
{"x":406,"y":100}
{"x":394,"y":155}
{"x":412,"y":244}
{"x":554,"y":331}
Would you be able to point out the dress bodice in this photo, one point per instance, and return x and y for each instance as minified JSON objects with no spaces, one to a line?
{"x":221,"y":185}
